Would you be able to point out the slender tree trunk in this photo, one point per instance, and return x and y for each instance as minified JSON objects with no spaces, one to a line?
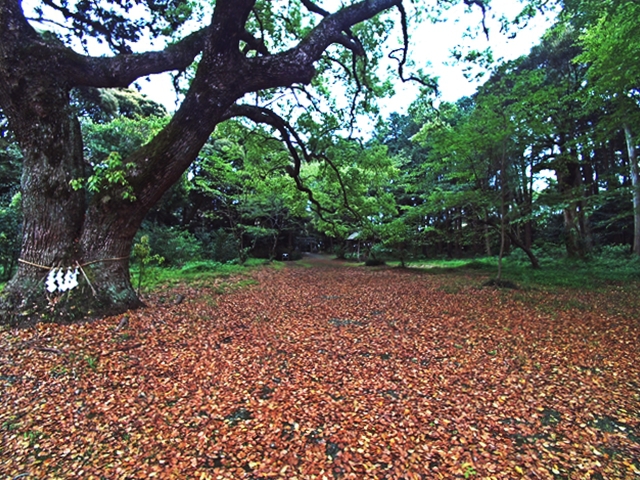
{"x":576,"y":231}
{"x":527,"y":182}
{"x":635,"y":182}
{"x":503,"y":193}
{"x":535,"y":263}
{"x":274,"y":246}
{"x":487,"y":236}
{"x":502,"y":220}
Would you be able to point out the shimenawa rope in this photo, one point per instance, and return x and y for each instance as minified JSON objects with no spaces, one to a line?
{"x":26,"y":262}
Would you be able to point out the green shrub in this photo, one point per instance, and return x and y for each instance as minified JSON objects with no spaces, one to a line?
{"x":295,"y":255}
{"x":199,"y":272}
{"x":373,"y":262}
{"x":380,"y":252}
{"x":218,"y":245}
{"x":176,"y":246}
{"x":11,"y":221}
{"x":340,"y":252}
{"x":143,"y":257}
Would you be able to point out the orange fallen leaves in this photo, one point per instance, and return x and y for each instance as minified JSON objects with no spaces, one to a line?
{"x":332,"y":372}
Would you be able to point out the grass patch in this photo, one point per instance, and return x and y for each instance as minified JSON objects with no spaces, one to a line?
{"x":594,"y":273}
{"x":304,"y":263}
{"x":193,"y":273}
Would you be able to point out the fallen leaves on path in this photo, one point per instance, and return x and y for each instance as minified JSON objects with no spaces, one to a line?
{"x":331,"y":372}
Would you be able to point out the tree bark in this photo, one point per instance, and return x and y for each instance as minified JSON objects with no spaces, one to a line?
{"x":487,"y":235}
{"x":503,"y":193}
{"x":576,"y":227}
{"x":535,"y":263}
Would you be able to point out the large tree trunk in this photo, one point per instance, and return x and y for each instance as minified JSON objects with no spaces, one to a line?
{"x":65,"y":228}
{"x":54,"y":232}
{"x":58,"y":231}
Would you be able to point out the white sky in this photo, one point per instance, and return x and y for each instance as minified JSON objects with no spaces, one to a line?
{"x":431,"y":46}
{"x":430,"y":49}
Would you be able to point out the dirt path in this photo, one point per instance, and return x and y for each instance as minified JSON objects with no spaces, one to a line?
{"x":318,"y":259}
{"x":331,"y":371}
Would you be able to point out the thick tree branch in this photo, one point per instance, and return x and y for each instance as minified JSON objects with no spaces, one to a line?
{"x":351,"y":43}
{"x":228,"y":26}
{"x":296,"y":64}
{"x":253,"y":43}
{"x":74,"y":69}
{"x":348,"y":41}
{"x":312,"y":7}
{"x":121,"y":70}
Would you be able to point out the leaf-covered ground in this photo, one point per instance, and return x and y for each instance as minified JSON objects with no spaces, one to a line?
{"x":332,"y":372}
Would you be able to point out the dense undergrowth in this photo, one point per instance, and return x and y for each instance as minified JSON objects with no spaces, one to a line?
{"x":194,"y":273}
{"x":610,"y":267}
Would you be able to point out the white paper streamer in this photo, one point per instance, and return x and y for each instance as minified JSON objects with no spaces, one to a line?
{"x":58,"y":280}
{"x":51,"y":281}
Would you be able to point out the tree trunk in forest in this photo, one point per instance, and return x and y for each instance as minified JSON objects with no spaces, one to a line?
{"x":58,"y":232}
{"x":576,"y":226}
{"x":635,"y":182}
{"x":510,"y":235}
{"x":503,"y":203}
{"x":528,"y":202}
{"x":487,"y":235}
{"x":535,"y":263}
{"x":54,"y":232}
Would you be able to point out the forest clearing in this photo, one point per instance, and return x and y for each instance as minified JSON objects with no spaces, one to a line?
{"x":321,"y":369}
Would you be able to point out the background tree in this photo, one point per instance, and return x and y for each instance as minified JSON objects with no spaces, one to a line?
{"x":611,"y":49}
{"x":555,"y":128}
{"x":10,"y":215}
{"x":355,"y":186}
{"x":240,"y":183}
